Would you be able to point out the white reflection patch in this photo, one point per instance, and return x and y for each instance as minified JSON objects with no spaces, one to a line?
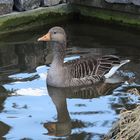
{"x":31,"y":92}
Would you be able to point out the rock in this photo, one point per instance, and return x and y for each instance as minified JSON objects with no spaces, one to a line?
{"x":24,"y":5}
{"x":136,"y":2}
{"x":6,"y":6}
{"x":50,"y":2}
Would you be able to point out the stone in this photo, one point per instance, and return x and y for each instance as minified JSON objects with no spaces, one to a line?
{"x":136,"y":2}
{"x":24,"y":5}
{"x":50,"y":2}
{"x":6,"y":6}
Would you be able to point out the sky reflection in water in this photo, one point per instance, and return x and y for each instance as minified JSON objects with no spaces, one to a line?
{"x":33,"y":112}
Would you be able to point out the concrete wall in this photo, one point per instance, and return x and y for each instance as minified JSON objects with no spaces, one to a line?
{"x":131,"y":6}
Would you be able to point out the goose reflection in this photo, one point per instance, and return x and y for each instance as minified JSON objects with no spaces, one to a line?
{"x":63,"y":126}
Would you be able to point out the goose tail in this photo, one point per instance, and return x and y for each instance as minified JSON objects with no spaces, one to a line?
{"x":115,"y":68}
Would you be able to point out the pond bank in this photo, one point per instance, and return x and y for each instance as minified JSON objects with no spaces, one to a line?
{"x":29,"y":19}
{"x":109,"y":16}
{"x":17,"y":21}
{"x":127,"y":127}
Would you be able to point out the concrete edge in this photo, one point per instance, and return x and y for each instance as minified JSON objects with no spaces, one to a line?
{"x":125,"y":19}
{"x":18,"y":21}
{"x":33,"y":18}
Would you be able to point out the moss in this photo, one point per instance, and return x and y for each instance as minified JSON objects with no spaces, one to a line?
{"x":109,"y":15}
{"x":33,"y":18}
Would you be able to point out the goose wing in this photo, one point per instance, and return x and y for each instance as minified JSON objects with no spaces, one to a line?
{"x":84,"y":67}
{"x":106,"y":63}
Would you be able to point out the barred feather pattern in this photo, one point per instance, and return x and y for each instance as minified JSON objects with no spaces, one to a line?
{"x":90,"y":70}
{"x":105,"y":63}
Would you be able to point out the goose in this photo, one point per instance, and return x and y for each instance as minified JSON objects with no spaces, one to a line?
{"x":79,"y":72}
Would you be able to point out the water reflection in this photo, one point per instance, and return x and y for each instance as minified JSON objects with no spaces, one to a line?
{"x":64,"y":125}
{"x":21,"y":57}
{"x":84,"y":113}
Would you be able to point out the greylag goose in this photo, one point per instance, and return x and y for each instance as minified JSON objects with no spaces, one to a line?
{"x":79,"y":72}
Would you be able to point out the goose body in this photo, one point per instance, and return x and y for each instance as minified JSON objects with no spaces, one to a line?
{"x":79,"y":72}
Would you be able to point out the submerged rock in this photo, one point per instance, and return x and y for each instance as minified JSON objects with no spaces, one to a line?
{"x":24,"y":5}
{"x":6,"y":6}
{"x":50,"y":2}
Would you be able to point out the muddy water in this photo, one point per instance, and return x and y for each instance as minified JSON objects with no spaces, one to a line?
{"x":31,"y":110}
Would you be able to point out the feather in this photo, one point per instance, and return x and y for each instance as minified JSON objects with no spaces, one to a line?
{"x":115,"y":68}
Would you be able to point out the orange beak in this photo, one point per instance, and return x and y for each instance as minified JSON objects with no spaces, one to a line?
{"x":46,"y":37}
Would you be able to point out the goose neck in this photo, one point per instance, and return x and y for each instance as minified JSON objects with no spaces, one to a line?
{"x":58,"y":54}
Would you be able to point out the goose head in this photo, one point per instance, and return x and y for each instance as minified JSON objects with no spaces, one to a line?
{"x":55,"y":34}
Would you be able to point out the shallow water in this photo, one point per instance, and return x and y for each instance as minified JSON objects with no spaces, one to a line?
{"x":31,"y":110}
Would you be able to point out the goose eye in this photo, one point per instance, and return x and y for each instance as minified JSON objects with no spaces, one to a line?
{"x":54,"y":32}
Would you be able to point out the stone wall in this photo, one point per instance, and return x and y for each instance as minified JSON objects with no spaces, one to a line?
{"x":8,"y":6}
{"x":131,"y":6}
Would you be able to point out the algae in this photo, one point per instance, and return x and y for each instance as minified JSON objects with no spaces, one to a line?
{"x":121,"y":18}
{"x":47,"y":15}
{"x":33,"y":18}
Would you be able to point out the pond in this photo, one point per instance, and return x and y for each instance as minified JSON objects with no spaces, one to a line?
{"x":31,"y":110}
